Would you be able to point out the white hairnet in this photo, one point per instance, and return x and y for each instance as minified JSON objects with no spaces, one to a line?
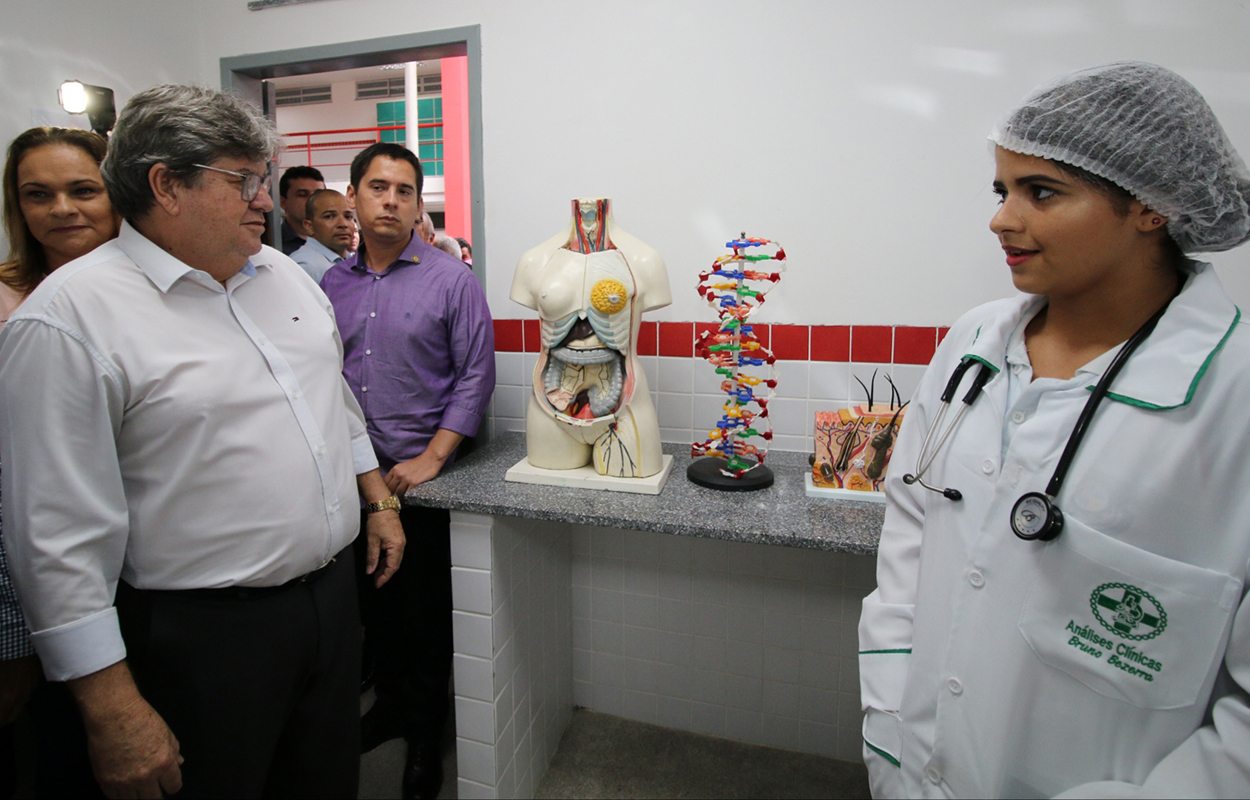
{"x":1148,"y":130}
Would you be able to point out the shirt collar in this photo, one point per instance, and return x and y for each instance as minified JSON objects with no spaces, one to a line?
{"x":1018,"y":351}
{"x":1166,"y":369}
{"x":321,"y":250}
{"x":159,"y":266}
{"x":411,"y":255}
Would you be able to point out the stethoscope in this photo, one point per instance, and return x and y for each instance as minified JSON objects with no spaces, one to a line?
{"x":1035,"y":516}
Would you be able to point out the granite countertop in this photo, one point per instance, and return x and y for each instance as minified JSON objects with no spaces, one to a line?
{"x":781,"y":514}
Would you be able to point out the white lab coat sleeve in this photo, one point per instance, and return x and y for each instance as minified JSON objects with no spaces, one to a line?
{"x":885,"y":625}
{"x":1214,"y":761}
{"x":66,"y":517}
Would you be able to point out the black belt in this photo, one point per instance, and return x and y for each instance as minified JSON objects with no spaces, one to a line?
{"x":250,"y":592}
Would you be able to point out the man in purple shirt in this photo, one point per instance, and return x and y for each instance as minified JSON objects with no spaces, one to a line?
{"x":420,"y":357}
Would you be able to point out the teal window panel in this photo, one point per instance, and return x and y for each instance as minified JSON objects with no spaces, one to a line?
{"x":439,"y":148}
{"x":430,"y":134}
{"x":399,"y":110}
{"x":427,"y":152}
{"x":388,"y":136}
{"x":438,"y":168}
{"x":438,"y":107}
{"x":386,"y":113}
{"x":425,"y":109}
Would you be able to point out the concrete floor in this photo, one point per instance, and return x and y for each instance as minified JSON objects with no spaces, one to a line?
{"x":382,"y":769}
{"x":608,"y":757}
{"x":602,"y":756}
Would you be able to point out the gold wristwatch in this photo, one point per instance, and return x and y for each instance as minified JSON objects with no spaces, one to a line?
{"x":389,"y":504}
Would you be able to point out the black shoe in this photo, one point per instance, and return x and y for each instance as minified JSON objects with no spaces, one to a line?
{"x":378,"y":727}
{"x":423,"y":772}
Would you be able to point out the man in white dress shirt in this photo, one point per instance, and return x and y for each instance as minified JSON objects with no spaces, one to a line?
{"x":331,"y":226}
{"x":176,"y":432}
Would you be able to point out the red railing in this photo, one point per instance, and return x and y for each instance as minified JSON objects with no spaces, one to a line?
{"x":355,"y":144}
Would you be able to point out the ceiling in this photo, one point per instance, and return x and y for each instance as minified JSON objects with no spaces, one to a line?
{"x":428,"y":67}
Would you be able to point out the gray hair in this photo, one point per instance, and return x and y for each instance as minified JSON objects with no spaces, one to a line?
{"x":425,"y":226}
{"x":448,"y":245}
{"x":179,"y":126}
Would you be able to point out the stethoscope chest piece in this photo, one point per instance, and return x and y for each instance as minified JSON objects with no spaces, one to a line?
{"x":1035,"y":517}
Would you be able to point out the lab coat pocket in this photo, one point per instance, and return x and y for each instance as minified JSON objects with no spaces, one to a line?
{"x":1129,"y":624}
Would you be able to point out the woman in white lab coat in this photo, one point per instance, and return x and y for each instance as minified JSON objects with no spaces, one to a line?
{"x":1114,"y":658}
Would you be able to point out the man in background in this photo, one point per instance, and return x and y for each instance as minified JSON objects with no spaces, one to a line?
{"x":419,"y":355}
{"x":294,"y":189}
{"x":331,"y":227}
{"x":181,"y":491}
{"x":447,"y":244}
{"x":425,"y":229}
{"x":466,"y":250}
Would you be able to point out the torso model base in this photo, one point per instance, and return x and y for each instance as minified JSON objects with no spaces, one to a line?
{"x":588,"y":477}
{"x":707,"y":473}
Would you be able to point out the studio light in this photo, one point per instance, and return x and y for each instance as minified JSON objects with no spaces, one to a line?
{"x":95,"y":101}
{"x":73,"y":97}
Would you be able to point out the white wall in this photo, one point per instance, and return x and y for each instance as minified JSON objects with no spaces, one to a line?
{"x":343,"y":111}
{"x":126,"y":47}
{"x":852,"y":132}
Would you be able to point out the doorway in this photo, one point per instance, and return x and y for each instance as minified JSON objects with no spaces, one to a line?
{"x":457,"y":54}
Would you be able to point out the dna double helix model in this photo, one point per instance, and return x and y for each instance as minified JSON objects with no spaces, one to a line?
{"x":735,"y":287}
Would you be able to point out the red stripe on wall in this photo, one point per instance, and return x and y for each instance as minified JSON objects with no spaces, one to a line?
{"x":790,"y":342}
{"x":872,"y":343}
{"x":914,"y":345}
{"x":648,"y":335}
{"x":898,"y":344}
{"x":508,"y":336}
{"x":533,"y":335}
{"x":831,"y":343}
{"x":676,"y":339}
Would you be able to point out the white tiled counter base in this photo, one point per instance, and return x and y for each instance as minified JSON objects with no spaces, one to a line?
{"x":747,"y":641}
{"x":511,"y":581}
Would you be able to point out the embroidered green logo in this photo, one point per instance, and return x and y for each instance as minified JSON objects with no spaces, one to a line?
{"x":1128,"y":612}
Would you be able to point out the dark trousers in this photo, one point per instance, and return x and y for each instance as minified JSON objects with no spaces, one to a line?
{"x":408,"y":626}
{"x":63,"y":769}
{"x":259,"y":686}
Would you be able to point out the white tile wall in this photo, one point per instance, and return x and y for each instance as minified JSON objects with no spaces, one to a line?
{"x":687,"y":396}
{"x":752,"y":642}
{"x":512,"y":625}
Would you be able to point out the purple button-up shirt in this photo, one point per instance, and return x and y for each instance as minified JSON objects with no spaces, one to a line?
{"x":419,"y":347}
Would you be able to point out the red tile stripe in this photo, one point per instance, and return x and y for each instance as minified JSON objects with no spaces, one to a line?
{"x":883,"y":344}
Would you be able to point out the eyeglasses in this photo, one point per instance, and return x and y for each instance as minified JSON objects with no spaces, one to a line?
{"x":252,"y":182}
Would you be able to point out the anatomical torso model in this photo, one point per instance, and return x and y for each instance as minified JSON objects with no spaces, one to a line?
{"x":590,"y":285}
